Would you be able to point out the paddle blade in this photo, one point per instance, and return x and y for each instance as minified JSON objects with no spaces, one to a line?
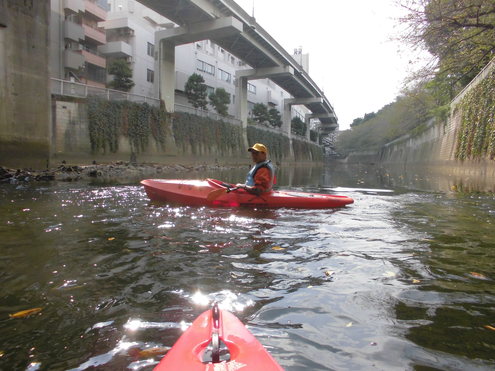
{"x":213,"y":195}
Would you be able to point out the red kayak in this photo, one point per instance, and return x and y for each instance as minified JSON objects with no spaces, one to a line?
{"x":217,"y":341}
{"x":215,"y":193}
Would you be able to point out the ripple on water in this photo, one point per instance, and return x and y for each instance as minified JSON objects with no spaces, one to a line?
{"x":387,"y":283}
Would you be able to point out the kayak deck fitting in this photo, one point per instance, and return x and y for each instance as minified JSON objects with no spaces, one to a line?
{"x":216,"y":341}
{"x":214,"y":193}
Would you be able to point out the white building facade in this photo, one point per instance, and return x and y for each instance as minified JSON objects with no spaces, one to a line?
{"x":126,"y":30}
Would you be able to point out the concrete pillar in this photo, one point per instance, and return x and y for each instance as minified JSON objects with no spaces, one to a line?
{"x":242,"y":106}
{"x":286,"y":118}
{"x":242,"y":100}
{"x":166,"y":74}
{"x":286,"y":126}
{"x":307,"y":120}
{"x":25,"y":109}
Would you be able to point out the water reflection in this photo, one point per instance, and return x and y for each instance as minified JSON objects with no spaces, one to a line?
{"x":424,"y":178}
{"x":453,"y":302}
{"x":401,"y":279}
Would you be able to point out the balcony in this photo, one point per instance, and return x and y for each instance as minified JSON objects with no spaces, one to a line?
{"x":117,"y":49}
{"x":73,"y":31}
{"x":95,"y":10}
{"x":94,"y":34}
{"x":73,"y":6}
{"x":124,"y":25}
{"x":94,"y":59}
{"x":73,"y":59}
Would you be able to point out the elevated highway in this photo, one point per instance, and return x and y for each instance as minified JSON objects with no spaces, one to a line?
{"x":228,"y":25}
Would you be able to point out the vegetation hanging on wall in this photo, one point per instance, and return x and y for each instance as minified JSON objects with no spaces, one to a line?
{"x":476,"y":137}
{"x":108,"y":120}
{"x":306,"y":151}
{"x":206,"y":136}
{"x":278,"y":144}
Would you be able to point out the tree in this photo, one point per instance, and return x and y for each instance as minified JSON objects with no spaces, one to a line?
{"x":260,"y":113}
{"x":298,"y":126}
{"x":361,"y":120}
{"x":220,"y":99}
{"x":459,"y":34}
{"x":274,"y":117}
{"x":195,"y":90}
{"x":122,"y":75}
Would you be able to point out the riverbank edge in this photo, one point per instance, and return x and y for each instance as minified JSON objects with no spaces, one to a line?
{"x":116,"y":170}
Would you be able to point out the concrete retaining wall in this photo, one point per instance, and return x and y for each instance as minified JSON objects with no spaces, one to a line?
{"x":434,"y":148}
{"x":70,"y":142}
{"x":24,"y":83}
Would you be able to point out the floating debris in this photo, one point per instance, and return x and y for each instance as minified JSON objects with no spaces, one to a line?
{"x":478,"y":275}
{"x":25,"y":313}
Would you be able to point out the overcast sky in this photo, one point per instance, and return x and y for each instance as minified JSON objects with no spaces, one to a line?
{"x":351,"y":56}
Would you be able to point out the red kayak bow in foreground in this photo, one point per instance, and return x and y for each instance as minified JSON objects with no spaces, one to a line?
{"x":217,"y":341}
{"x":215,"y":193}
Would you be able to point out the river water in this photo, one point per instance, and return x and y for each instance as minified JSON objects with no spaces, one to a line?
{"x":403,"y":279}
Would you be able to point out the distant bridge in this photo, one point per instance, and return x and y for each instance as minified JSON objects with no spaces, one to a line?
{"x":228,"y":25}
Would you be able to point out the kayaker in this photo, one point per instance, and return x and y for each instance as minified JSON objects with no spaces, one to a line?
{"x":261,"y":177}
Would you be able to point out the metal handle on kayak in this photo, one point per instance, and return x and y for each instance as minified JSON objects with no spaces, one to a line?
{"x":215,"y":340}
{"x":216,"y":350}
{"x":215,"y":316}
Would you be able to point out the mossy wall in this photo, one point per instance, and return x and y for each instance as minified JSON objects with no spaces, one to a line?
{"x":306,"y":151}
{"x":476,"y":137}
{"x":463,"y":145}
{"x":204,"y":137}
{"x":278,"y":145}
{"x":107,"y":130}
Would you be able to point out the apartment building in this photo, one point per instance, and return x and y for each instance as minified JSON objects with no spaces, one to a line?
{"x":130,"y":28}
{"x":89,"y":34}
{"x":75,"y":37}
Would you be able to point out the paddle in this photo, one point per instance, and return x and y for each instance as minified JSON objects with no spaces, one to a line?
{"x":213,"y":195}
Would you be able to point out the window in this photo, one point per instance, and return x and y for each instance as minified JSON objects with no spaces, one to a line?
{"x":151,"y":50}
{"x":209,"y":90}
{"x":95,"y":73}
{"x":225,"y":76}
{"x":206,"y":67}
{"x":150,"y":75}
{"x":251,"y":88}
